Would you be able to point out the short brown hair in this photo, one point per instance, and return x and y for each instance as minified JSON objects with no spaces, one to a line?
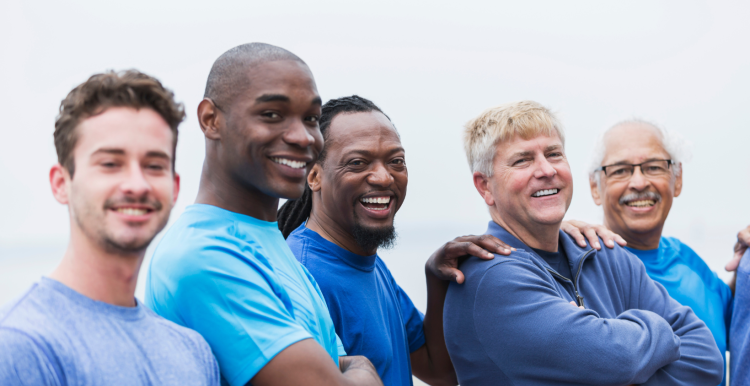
{"x":129,"y":88}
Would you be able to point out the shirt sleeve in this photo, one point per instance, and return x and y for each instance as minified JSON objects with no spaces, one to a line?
{"x":236,"y":304}
{"x":22,"y":362}
{"x":700,"y":361}
{"x":413,"y":320}
{"x":536,"y":337}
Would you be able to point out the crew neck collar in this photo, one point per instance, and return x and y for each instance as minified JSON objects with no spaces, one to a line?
{"x":125,"y":313}
{"x":359,"y":262}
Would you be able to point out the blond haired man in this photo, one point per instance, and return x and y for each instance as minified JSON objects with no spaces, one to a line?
{"x":624,"y":327}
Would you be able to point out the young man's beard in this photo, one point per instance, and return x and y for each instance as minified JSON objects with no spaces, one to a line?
{"x":369,"y":238}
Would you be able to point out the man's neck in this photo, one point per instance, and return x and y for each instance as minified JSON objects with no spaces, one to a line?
{"x":329,"y":230}
{"x":642,"y":240}
{"x":93,"y":272}
{"x":218,"y":189}
{"x":544,"y":237}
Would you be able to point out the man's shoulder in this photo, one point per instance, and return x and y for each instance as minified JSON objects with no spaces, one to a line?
{"x":177,"y":333}
{"x":34,"y":313}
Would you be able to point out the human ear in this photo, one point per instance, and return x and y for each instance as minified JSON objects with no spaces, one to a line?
{"x":313,"y":178}
{"x":678,"y":182}
{"x":209,"y":118}
{"x":176,"y":190}
{"x":595,"y":190}
{"x":481,"y":182}
{"x":58,"y":180}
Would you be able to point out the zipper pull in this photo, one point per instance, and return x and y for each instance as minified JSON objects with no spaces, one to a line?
{"x":580,"y":300}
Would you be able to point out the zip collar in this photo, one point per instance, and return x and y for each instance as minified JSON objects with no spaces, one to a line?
{"x":576,"y":255}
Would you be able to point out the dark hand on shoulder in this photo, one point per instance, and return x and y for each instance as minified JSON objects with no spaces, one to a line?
{"x":444,"y":263}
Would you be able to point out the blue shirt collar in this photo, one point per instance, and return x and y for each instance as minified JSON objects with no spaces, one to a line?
{"x":574,"y":252}
{"x":362,"y":263}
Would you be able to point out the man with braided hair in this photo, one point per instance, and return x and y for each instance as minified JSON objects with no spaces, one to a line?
{"x":223,"y":268}
{"x":354,"y":191}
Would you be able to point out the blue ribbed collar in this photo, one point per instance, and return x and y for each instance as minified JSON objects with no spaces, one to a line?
{"x":362,"y":263}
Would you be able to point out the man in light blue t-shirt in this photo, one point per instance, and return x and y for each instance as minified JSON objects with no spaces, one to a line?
{"x":224,"y":268}
{"x":635,"y":175}
{"x":115,"y":139}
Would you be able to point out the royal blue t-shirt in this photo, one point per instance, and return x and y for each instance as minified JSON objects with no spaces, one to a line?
{"x":373,"y":316}
{"x":688,"y":280}
{"x":233,"y":279}
{"x":53,"y":335}
{"x":739,"y":338}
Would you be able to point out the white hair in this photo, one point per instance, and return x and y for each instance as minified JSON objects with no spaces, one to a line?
{"x":674,"y":144}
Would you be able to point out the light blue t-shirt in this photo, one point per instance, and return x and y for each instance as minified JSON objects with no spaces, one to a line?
{"x":54,"y":335}
{"x":739,"y":339}
{"x":688,"y":280}
{"x":233,"y":279}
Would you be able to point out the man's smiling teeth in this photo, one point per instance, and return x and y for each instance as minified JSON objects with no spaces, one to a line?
{"x":132,"y":211}
{"x":376,"y":200}
{"x":545,"y":192}
{"x":641,"y":203}
{"x":288,"y":162}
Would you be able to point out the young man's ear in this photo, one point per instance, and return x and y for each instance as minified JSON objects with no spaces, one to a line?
{"x":481,"y":182}
{"x":313,"y":179}
{"x":209,"y":118}
{"x":595,"y":190}
{"x":58,"y":181}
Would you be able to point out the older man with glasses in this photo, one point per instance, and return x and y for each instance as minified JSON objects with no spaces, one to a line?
{"x":636,"y":173}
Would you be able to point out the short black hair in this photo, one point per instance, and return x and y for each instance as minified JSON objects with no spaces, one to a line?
{"x":228,"y":76}
{"x":294,"y":212}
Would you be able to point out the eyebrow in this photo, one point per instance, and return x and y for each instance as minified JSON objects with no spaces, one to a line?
{"x":528,"y":153}
{"x":150,"y":154}
{"x":627,"y":163}
{"x":283,"y":98}
{"x":368,"y":153}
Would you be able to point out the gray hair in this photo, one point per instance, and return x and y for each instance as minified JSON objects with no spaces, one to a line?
{"x":673,"y":143}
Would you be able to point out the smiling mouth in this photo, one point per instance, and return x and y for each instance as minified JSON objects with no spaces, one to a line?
{"x":376,"y":203}
{"x":640,"y":203}
{"x":133,"y":211}
{"x":545,"y":192}
{"x":289,"y":162}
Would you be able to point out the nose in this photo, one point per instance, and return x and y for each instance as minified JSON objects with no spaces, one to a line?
{"x":380,"y":176}
{"x":638,"y":181}
{"x":544,"y":169}
{"x":135,"y":183}
{"x":298,"y":134}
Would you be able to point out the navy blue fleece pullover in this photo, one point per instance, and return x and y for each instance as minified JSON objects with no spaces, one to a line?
{"x":511,"y":323}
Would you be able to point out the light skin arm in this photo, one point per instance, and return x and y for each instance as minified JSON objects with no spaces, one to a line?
{"x":431,"y":363}
{"x":743,"y":241}
{"x":307,"y":363}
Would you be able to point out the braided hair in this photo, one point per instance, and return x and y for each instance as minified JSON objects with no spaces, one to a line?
{"x":295,"y":212}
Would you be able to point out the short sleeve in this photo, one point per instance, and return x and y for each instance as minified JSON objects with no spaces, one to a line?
{"x":22,"y":362}
{"x":340,"y":347}
{"x":413,"y":320}
{"x":235,"y":303}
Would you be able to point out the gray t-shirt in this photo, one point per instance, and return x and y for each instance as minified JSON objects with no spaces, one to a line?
{"x":53,"y":335}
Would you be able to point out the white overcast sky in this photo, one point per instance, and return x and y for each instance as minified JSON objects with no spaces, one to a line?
{"x":431,"y":66}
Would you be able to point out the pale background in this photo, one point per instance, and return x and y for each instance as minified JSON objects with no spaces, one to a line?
{"x":431,"y":66}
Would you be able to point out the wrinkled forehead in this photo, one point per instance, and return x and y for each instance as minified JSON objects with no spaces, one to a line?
{"x":368,"y":131}
{"x":633,"y":143}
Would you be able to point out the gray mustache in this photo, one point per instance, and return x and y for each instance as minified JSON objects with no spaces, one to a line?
{"x":640,"y":196}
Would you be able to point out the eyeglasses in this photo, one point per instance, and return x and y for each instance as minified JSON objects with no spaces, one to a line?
{"x":653,"y":168}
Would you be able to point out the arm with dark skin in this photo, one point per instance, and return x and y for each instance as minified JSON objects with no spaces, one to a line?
{"x":431,"y":363}
{"x":743,"y":241}
{"x":307,"y":363}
